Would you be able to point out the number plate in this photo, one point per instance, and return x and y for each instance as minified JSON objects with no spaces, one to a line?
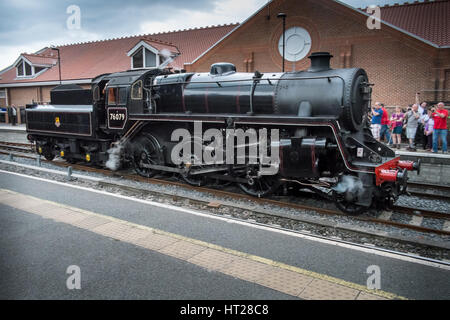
{"x":117,"y":118}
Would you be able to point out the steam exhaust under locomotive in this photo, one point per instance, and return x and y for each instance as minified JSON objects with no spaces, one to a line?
{"x":224,"y":125}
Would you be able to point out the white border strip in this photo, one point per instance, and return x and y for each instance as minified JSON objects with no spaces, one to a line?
{"x":62,"y":173}
{"x":243,"y":223}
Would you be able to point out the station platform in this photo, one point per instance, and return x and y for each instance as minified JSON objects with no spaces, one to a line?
{"x":17,"y":128}
{"x":132,"y":248}
{"x":425,"y":156}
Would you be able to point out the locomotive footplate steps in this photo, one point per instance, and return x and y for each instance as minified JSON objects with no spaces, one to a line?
{"x":220,"y":249}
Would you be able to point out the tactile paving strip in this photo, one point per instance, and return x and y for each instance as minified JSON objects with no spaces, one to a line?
{"x":212,"y":259}
{"x":285,"y":280}
{"x":324,"y":290}
{"x":275,"y":275}
{"x":155,"y":241}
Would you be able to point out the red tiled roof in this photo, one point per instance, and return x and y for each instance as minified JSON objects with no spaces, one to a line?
{"x":90,"y":59}
{"x":429,"y":20}
{"x":40,"y":59}
{"x":158,"y":45}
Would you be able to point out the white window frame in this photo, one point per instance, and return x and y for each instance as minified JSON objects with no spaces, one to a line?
{"x":25,"y":75}
{"x":145,"y":46}
{"x":22,"y":60}
{"x":3,"y":93}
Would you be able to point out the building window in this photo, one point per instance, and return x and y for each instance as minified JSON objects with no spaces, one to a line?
{"x":20,"y":69}
{"x":144,"y":58}
{"x":150,"y":59}
{"x":297,"y":43}
{"x":38,"y":69}
{"x":138,"y":60}
{"x":24,"y":69}
{"x":28,"y":70}
{"x":2,"y":93}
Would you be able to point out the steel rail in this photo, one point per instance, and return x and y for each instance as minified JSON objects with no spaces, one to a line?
{"x":262,"y":201}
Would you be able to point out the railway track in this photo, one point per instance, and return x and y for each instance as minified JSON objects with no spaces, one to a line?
{"x":427,"y":190}
{"x":13,"y":146}
{"x":417,"y":215}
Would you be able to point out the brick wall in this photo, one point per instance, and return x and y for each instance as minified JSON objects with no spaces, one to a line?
{"x":23,"y":96}
{"x":397,"y":64}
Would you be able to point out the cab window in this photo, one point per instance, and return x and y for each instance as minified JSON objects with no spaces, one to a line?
{"x":112,"y":96}
{"x":96,"y":94}
{"x":122,"y":96}
{"x":136,"y":90}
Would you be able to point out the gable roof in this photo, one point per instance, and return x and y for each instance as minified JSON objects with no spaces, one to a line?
{"x":89,"y":59}
{"x":40,"y":60}
{"x":154,"y":46}
{"x":429,"y":20}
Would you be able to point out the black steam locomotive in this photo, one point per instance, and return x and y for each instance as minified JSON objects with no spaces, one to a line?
{"x":315,"y":120}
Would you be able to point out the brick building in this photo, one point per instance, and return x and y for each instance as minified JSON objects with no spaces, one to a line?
{"x":409,"y":54}
{"x":32,"y":76}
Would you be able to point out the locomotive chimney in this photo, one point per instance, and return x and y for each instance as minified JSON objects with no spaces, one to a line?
{"x":320,"y":61}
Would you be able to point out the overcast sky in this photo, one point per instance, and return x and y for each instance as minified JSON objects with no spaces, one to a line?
{"x":29,"y":25}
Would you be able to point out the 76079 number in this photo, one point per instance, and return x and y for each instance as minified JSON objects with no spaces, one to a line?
{"x":117,"y":116}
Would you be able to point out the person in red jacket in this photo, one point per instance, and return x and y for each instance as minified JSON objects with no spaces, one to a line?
{"x":385,"y":125}
{"x":440,"y":127}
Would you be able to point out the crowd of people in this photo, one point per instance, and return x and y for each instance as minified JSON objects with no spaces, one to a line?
{"x":422,"y":124}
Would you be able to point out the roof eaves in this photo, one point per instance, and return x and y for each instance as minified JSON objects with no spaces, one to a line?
{"x":6,"y":69}
{"x":43,"y":83}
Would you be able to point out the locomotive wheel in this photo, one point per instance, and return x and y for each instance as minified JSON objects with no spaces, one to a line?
{"x":260,"y":187}
{"x":347,"y":207}
{"x":194,"y":180}
{"x":46,"y":152}
{"x":146,"y":152}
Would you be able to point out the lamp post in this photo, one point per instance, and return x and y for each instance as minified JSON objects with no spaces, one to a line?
{"x":283,"y":16}
{"x":59,"y":62}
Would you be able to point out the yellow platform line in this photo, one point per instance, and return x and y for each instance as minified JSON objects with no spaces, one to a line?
{"x":199,"y":246}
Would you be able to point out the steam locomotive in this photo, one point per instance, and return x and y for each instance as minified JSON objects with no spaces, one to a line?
{"x":315,"y":120}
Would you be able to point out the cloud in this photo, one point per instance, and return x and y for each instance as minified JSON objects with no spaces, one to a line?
{"x":224,"y":12}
